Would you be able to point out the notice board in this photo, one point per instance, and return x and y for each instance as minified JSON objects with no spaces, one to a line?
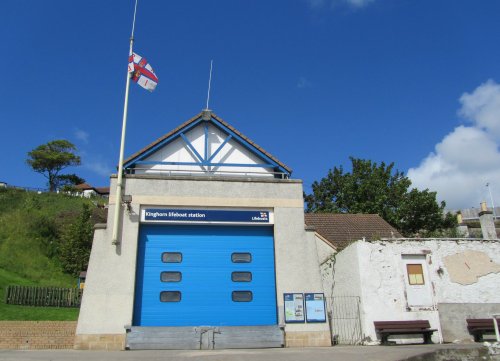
{"x":294,"y":308}
{"x":315,"y":307}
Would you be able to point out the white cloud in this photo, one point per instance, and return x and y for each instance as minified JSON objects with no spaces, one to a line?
{"x":357,"y":4}
{"x":82,"y":135}
{"x":98,"y":167}
{"x":468,"y":157}
{"x":303,"y":83}
{"x":482,"y":107}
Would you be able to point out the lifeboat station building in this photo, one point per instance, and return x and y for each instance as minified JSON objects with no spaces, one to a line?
{"x":212,"y":250}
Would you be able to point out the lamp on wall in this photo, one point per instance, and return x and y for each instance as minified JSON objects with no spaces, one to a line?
{"x":126,"y":201}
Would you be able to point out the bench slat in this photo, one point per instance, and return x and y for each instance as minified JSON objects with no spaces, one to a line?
{"x":408,"y":330}
{"x":487,"y":322}
{"x":410,"y":327}
{"x":401,"y":324}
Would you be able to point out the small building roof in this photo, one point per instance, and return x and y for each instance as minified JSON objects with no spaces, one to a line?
{"x":102,"y":190}
{"x":340,"y":229}
{"x":83,"y":186}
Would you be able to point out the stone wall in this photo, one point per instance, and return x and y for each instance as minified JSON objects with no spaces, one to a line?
{"x":308,"y":339}
{"x":453,"y":319}
{"x":31,"y":335}
{"x":110,"y":342}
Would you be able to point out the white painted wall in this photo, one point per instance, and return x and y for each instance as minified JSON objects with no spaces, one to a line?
{"x":107,"y":304}
{"x":178,"y":151}
{"x":377,"y":271}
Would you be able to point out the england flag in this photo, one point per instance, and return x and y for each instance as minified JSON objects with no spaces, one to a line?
{"x":142,"y":73}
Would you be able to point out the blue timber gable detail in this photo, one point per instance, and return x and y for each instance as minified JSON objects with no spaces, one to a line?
{"x":203,"y":158}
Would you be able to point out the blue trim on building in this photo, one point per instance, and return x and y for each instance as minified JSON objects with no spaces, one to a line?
{"x":156,"y":147}
{"x":220,"y":147}
{"x":206,"y":141}
{"x":191,"y":147}
{"x":209,"y":164}
{"x":206,"y":160}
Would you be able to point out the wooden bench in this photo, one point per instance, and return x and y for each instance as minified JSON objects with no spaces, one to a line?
{"x":479,"y":326}
{"x":387,"y":328}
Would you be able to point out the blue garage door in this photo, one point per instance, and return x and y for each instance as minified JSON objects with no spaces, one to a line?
{"x":205,"y":275}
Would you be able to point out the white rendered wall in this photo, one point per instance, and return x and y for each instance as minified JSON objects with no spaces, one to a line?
{"x":107,"y":305}
{"x":382,"y":278}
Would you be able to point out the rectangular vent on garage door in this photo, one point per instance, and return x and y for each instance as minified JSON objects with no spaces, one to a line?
{"x":241,"y":276}
{"x":241,"y":257}
{"x":242,"y":296}
{"x":171,"y":257}
{"x":170,"y":296}
{"x":171,"y":276}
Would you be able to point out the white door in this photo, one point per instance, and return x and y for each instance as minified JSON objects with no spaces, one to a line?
{"x":417,"y":283}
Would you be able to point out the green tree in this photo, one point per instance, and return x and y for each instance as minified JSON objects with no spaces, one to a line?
{"x":49,"y":159}
{"x":67,"y":182}
{"x":379,"y":189}
{"x":76,"y":242}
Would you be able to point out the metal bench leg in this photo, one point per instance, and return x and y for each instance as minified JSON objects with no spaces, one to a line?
{"x":478,"y":337}
{"x":427,"y":337}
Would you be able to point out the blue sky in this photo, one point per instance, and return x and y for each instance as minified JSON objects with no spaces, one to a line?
{"x":311,"y":81}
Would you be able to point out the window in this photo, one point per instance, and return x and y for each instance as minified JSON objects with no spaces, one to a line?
{"x":241,"y":276}
{"x":241,"y":257}
{"x":171,"y":257}
{"x":171,"y":276}
{"x":242,"y":296}
{"x":415,"y":274}
{"x":170,"y":296}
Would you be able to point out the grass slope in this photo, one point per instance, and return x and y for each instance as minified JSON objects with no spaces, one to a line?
{"x":28,"y":248}
{"x":28,"y":313}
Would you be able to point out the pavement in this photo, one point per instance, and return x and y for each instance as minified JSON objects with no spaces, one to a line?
{"x":341,"y":353}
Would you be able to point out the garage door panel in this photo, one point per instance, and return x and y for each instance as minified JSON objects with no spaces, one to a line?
{"x":206,"y":286}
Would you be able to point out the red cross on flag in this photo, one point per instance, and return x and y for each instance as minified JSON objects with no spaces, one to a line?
{"x":142,"y":72}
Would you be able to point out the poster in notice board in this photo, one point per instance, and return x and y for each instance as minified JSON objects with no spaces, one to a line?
{"x":315,"y":307}
{"x":294,"y":308}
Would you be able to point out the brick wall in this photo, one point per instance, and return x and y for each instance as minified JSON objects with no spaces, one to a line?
{"x":31,"y":335}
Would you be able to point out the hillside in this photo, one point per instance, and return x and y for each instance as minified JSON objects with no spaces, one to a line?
{"x":34,"y":233}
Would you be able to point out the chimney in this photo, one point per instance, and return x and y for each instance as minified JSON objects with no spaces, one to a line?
{"x":487,"y":222}
{"x":462,"y":228}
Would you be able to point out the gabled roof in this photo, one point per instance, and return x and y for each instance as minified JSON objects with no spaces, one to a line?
{"x":99,"y":190}
{"x":102,"y":190}
{"x":341,"y":229}
{"x":218,"y":122}
{"x":84,"y":186}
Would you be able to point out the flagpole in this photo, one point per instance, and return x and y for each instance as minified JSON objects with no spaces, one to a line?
{"x":119,"y":181}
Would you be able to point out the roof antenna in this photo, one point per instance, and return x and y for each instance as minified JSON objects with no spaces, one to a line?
{"x":207,"y":112}
{"x":209,"y":84}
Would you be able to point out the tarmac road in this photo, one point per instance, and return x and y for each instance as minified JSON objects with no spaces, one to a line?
{"x":340,"y":353}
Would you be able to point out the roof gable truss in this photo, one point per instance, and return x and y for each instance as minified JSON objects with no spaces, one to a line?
{"x":205,"y":159}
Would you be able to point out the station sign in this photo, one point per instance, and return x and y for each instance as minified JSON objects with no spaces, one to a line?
{"x":206,"y":216}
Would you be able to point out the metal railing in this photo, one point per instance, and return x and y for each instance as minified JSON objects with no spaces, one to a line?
{"x":345,"y":321}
